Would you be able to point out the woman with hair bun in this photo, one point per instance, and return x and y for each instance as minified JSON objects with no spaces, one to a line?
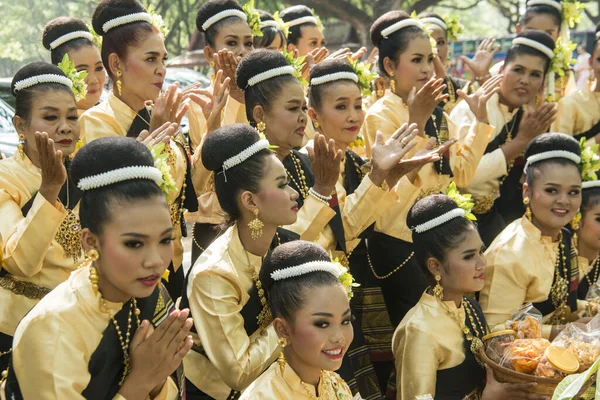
{"x":38,"y":203}
{"x":534,"y":258}
{"x":306,"y":30}
{"x":308,"y":296}
{"x":273,"y":35}
{"x":496,"y":186}
{"x":110,"y":331}
{"x":71,"y":37}
{"x":234,"y":341}
{"x":579,"y":113}
{"x":436,"y":346}
{"x":406,"y":58}
{"x":134,"y":53}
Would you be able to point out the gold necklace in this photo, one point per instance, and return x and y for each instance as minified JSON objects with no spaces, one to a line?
{"x":133,"y":310}
{"x":559,"y":292}
{"x":69,"y":231}
{"x":301,"y":183}
{"x":264,"y":317}
{"x":596,"y":265}
{"x":176,"y":210}
{"x":382,"y":277}
{"x":508,"y":139}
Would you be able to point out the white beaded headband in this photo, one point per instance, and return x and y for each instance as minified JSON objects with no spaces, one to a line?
{"x":303,"y":20}
{"x":550,"y":3}
{"x":405,"y":23}
{"x":336,"y":76}
{"x":590,"y":184}
{"x":306,"y":268}
{"x":70,"y":36}
{"x":127,"y":19}
{"x":272,"y":73}
{"x":437,"y":221}
{"x":244,"y":155}
{"x":598,"y":35}
{"x":547,"y":155}
{"x":535,"y":45}
{"x":434,"y":21}
{"x":119,"y":175}
{"x":269,"y":23}
{"x":222,"y":15}
{"x":44,"y":78}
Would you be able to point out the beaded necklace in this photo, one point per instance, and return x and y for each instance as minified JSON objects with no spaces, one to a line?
{"x":596,"y":266}
{"x":301,"y":182}
{"x":559,"y":292}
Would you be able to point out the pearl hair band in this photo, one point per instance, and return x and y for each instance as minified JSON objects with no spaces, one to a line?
{"x":437,"y":221}
{"x":434,"y":21}
{"x":244,"y":155}
{"x":269,"y":23}
{"x":222,"y":15}
{"x":303,"y":20}
{"x":550,"y":3}
{"x":70,"y":36}
{"x":336,"y":76}
{"x":535,"y":45}
{"x":306,"y":268}
{"x":547,"y":155}
{"x":270,"y":74}
{"x":405,"y":23}
{"x":126,"y":19}
{"x":43,"y":78}
{"x":120,"y":175}
{"x":590,"y":184}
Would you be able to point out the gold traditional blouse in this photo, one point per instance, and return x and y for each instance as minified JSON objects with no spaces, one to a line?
{"x":577,"y":113}
{"x":279,"y":383}
{"x":520,"y":269}
{"x":218,"y":289}
{"x":53,"y":344}
{"x":387,"y":115}
{"x":426,"y":341}
{"x":114,"y":118}
{"x":486,"y":180}
{"x":34,"y":260}
{"x":233,"y":112}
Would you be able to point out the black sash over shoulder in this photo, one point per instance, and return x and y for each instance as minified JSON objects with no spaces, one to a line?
{"x":437,"y":127}
{"x":589,"y":134}
{"x":140,"y":122}
{"x":458,"y":382}
{"x":106,"y":363}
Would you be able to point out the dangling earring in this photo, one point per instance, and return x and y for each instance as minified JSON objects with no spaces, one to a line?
{"x":528,"y":214}
{"x":211,"y":64}
{"x":93,"y":256}
{"x":281,"y":359}
{"x":537,"y":100}
{"x":261,"y":127}
{"x":256,"y":226}
{"x":575,"y":221}
{"x":380,"y":93}
{"x":316,"y":125}
{"x":393,"y":82}
{"x":119,"y":83}
{"x":438,"y":290}
{"x":283,"y":342}
{"x":21,"y":145}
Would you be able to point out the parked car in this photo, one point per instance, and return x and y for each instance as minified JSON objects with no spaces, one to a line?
{"x":5,"y":93}
{"x":8,"y":135}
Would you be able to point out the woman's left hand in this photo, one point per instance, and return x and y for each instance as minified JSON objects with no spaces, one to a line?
{"x":495,"y":390}
{"x":212,"y":101}
{"x":478,"y":101}
{"x":167,"y":107}
{"x":225,"y":60}
{"x":387,"y":154}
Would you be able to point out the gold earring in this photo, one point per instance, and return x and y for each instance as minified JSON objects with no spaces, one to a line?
{"x":93,"y":255}
{"x":119,"y":83}
{"x":211,"y":64}
{"x":575,"y":221}
{"x":393,"y":85}
{"x":438,"y":290}
{"x":316,"y":125}
{"x":537,"y":100}
{"x":380,"y":92}
{"x":528,"y":214}
{"x":281,"y":361}
{"x":261,"y":127}
{"x":94,"y":277}
{"x":21,"y":145}
{"x":256,"y":226}
{"x":283,"y":342}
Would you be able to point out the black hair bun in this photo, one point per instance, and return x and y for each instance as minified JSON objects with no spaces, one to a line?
{"x":111,"y":9}
{"x":552,"y":141}
{"x":226,"y":142}
{"x":386,"y":20}
{"x":428,"y":208}
{"x":34,"y":69}
{"x":540,"y":37}
{"x":330,"y":66}
{"x":213,"y":7}
{"x":257,"y":62}
{"x":295,"y":12}
{"x":107,"y":154}
{"x":59,"y":27}
{"x":265,"y":16}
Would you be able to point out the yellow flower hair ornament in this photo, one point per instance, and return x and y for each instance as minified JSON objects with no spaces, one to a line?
{"x":79,"y":87}
{"x":590,"y":161}
{"x":253,"y":18}
{"x":160,"y":156}
{"x":464,"y":201}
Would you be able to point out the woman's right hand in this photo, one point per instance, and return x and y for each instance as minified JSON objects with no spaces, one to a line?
{"x":225,"y":61}
{"x":536,"y":121}
{"x":495,"y":390}
{"x":326,"y":160}
{"x":156,"y":354}
{"x":422,"y":103}
{"x":54,"y":173}
{"x":212,"y":101}
{"x":163,"y":134}
{"x":167,"y":107}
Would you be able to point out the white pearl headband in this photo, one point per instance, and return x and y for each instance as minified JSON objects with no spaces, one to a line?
{"x":303,"y":20}
{"x":269,"y":23}
{"x":127,"y":19}
{"x":270,"y":74}
{"x":222,"y":15}
{"x":336,"y":76}
{"x":434,"y":21}
{"x":550,"y":3}
{"x":306,"y":268}
{"x":547,"y":51}
{"x":244,"y":155}
{"x":405,"y":23}
{"x":437,"y":221}
{"x":44,"y":78}
{"x":119,"y":175}
{"x":590,"y":184}
{"x":547,"y":155}
{"x":70,"y":36}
